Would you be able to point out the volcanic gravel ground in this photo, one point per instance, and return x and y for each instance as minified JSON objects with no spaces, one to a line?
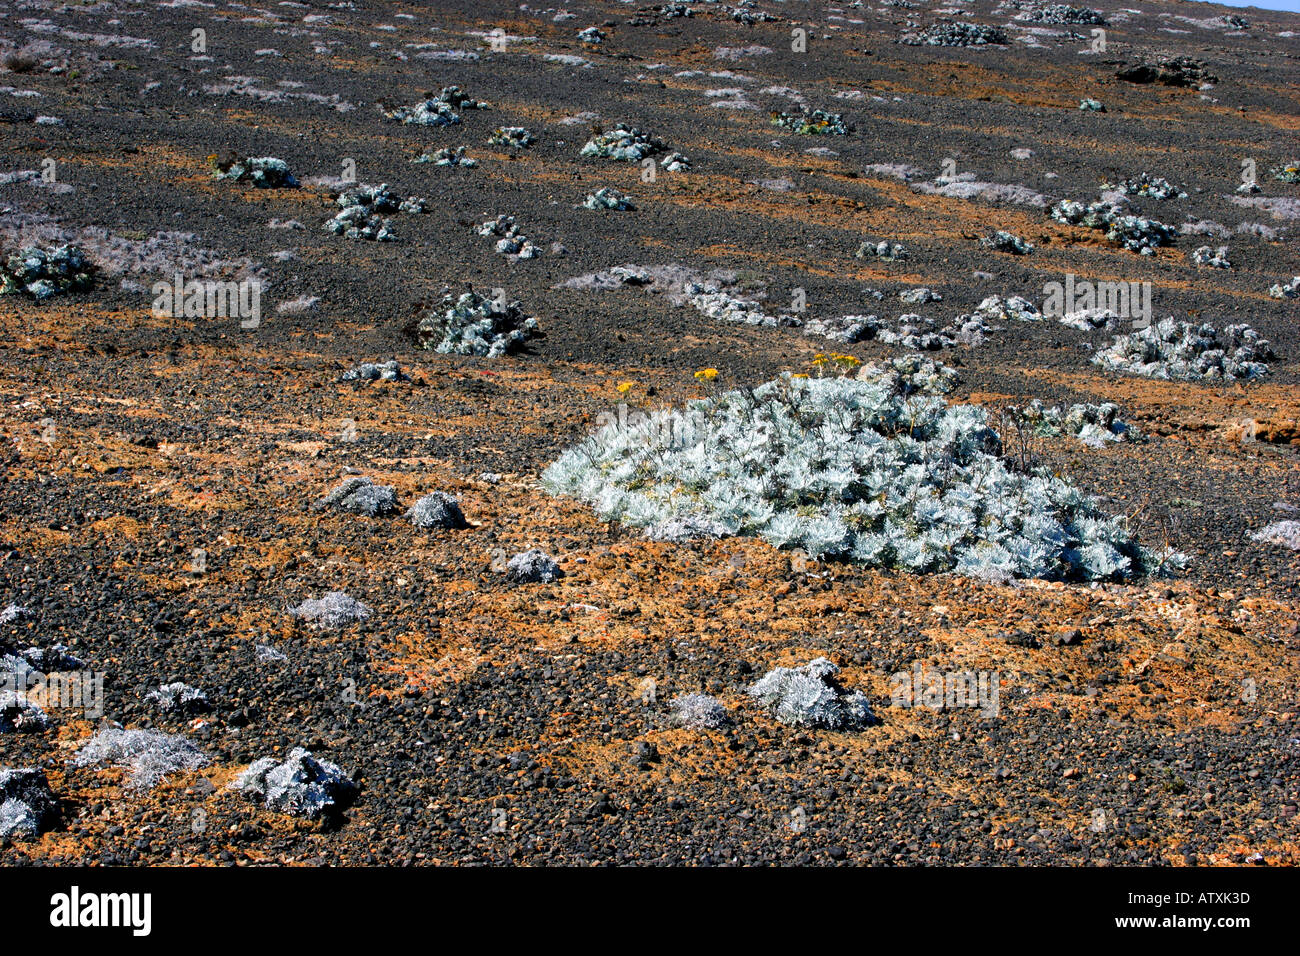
{"x":488,"y":722}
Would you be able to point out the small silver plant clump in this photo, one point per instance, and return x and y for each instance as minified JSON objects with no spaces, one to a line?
{"x":41,"y":273}
{"x":330,"y":612}
{"x":533,"y":567}
{"x":698,"y":712}
{"x":1286,"y":533}
{"x":366,"y":372}
{"x":606,"y":198}
{"x":360,"y":496}
{"x":623,"y":142}
{"x":953,"y":33}
{"x":1289,"y":290}
{"x":363,"y":212}
{"x":475,"y":324}
{"x":447,"y":156}
{"x":1210,"y":256}
{"x":884,"y":251}
{"x":437,"y":510}
{"x":148,"y":756}
{"x":179,"y":698}
{"x":512,"y":137}
{"x":439,"y":110}
{"x":1136,"y":233}
{"x":20,"y":715}
{"x":27,"y":805}
{"x":1148,"y":187}
{"x":809,"y":696}
{"x":1002,"y":241}
{"x":302,"y":785}
{"x":1094,"y":425}
{"x":261,"y":172}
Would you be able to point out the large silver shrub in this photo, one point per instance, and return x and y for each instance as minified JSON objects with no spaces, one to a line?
{"x":852,"y":468}
{"x":1180,"y":350}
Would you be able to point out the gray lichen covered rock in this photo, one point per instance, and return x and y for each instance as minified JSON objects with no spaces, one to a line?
{"x":809,"y":696}
{"x":148,"y":755}
{"x":27,"y":805}
{"x":302,"y":785}
{"x":359,"y":495}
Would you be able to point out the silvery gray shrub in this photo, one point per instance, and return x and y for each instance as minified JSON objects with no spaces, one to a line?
{"x":388,"y":371}
{"x":1136,"y":233}
{"x":698,"y":711}
{"x":41,"y":273}
{"x":1094,"y":425}
{"x":437,"y":510}
{"x":1209,"y":256}
{"x":623,"y":142}
{"x":447,"y":156}
{"x":263,"y":172}
{"x":997,"y":309}
{"x":333,"y":610}
{"x":1062,"y":13}
{"x":533,"y":567}
{"x":1285,"y":533}
{"x":147,"y":755}
{"x":809,"y":696}
{"x":512,"y":137}
{"x":1290,"y":290}
{"x":952,"y":33}
{"x":814,"y":123}
{"x":27,"y":805}
{"x":606,"y":198}
{"x":1148,"y":187}
{"x":855,"y":469}
{"x":1180,"y":350}
{"x":919,"y":296}
{"x":884,"y":250}
{"x":1002,"y":241}
{"x":20,"y":715}
{"x":474,"y":324}
{"x":361,"y":496}
{"x":179,"y":697}
{"x":437,"y":111}
{"x":362,"y":210}
{"x":302,"y":785}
